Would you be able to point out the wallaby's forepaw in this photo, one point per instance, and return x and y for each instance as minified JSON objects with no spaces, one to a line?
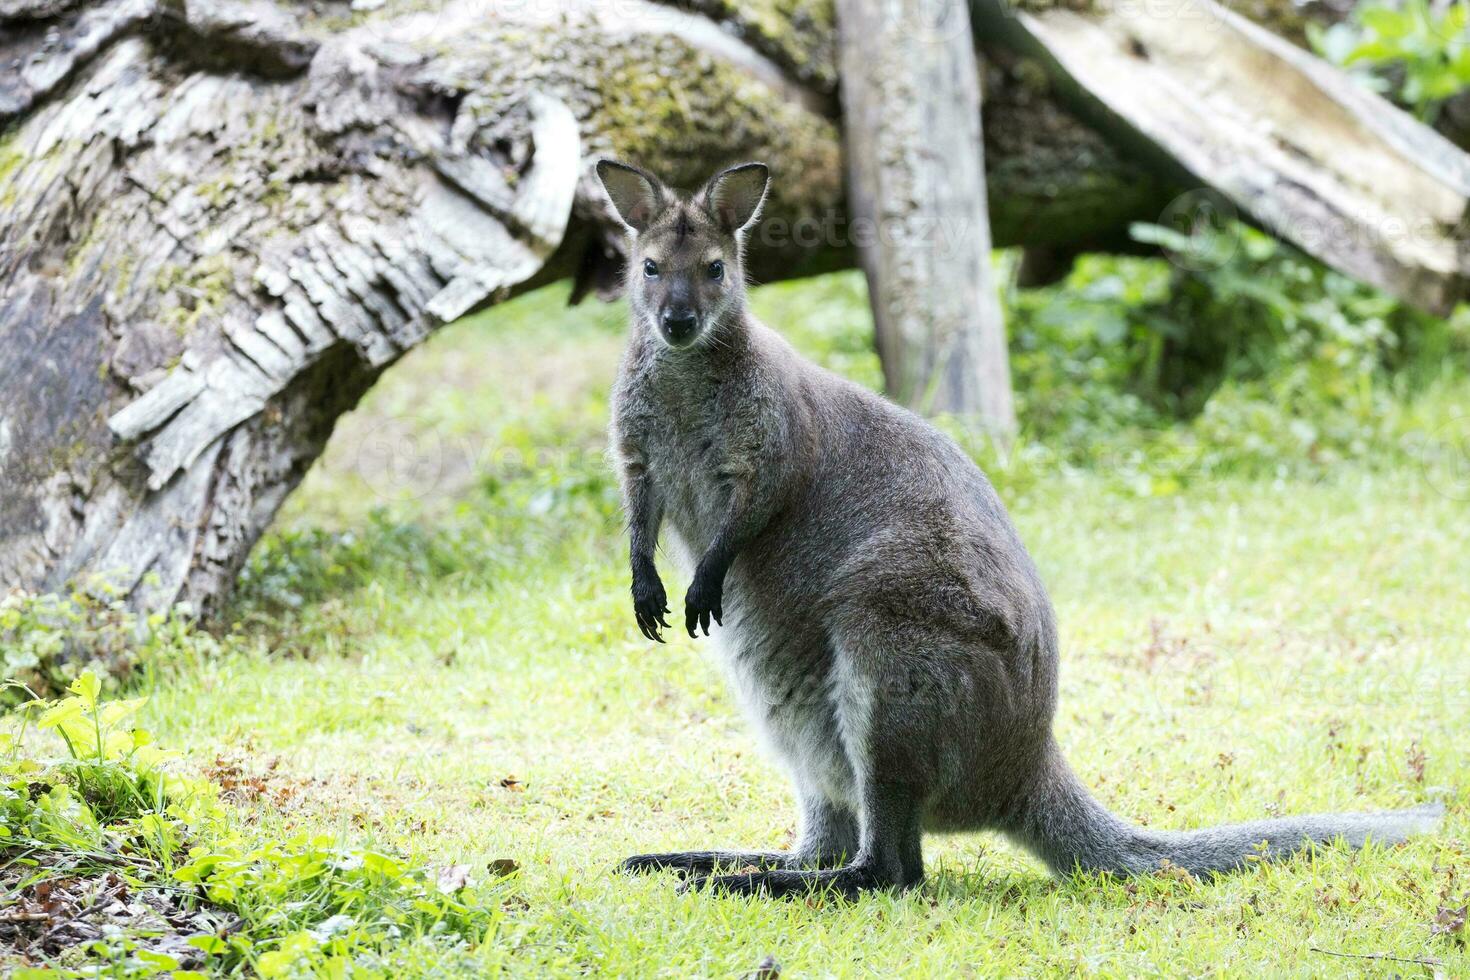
{"x":650,"y":604}
{"x":703,"y":600}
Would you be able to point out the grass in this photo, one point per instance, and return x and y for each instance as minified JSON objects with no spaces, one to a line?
{"x":435,"y":658}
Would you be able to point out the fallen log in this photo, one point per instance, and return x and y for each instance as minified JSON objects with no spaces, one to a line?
{"x":1292,"y":142}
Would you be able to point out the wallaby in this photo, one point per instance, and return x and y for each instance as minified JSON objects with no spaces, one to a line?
{"x":879,"y":618}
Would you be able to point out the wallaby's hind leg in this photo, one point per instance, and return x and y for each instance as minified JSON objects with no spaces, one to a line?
{"x":889,"y":855}
{"x":828,"y":837}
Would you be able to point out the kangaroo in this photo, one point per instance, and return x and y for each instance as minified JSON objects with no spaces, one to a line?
{"x":879,"y":618}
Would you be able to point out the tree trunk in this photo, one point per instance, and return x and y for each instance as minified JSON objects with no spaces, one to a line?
{"x":916,"y":179}
{"x":220,"y":220}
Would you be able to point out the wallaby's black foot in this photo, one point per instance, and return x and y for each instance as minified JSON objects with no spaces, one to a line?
{"x":700,"y":862}
{"x":848,"y":882}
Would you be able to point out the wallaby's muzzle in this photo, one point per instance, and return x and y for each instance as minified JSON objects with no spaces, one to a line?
{"x":679,"y":325}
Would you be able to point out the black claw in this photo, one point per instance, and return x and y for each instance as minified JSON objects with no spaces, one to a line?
{"x":663,"y":622}
{"x":718,"y":614}
{"x":647,"y":626}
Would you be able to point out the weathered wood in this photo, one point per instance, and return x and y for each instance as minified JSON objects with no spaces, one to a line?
{"x":1291,"y":141}
{"x":916,"y":178}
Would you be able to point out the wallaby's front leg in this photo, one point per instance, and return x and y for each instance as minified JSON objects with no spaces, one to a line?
{"x":748,"y":510}
{"x":645,"y":513}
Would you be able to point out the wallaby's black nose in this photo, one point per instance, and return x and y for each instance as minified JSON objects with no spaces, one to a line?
{"x":679,"y":324}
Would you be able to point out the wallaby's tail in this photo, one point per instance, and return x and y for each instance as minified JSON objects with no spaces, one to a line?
{"x":1062,"y":823}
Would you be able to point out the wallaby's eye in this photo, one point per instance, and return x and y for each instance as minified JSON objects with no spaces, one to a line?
{"x":650,"y":269}
{"x":717,"y":270}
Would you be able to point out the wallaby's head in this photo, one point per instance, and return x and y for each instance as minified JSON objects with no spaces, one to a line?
{"x":686,"y":268}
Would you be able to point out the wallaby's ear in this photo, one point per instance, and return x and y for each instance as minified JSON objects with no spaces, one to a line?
{"x":734,"y":196}
{"x":637,"y":196}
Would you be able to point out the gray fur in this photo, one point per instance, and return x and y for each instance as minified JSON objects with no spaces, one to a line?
{"x":879,"y":618}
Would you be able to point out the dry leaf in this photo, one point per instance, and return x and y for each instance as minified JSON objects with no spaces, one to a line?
{"x":500,"y":867}
{"x":1449,"y":922}
{"x":1168,"y":869}
{"x":1415,"y":758}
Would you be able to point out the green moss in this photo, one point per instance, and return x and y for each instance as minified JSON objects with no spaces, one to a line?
{"x":799,"y":35}
{"x":680,"y":124}
{"x":123,"y":271}
{"x":680,"y":129}
{"x":217,"y":192}
{"x":11,"y":158}
{"x":189,"y":292}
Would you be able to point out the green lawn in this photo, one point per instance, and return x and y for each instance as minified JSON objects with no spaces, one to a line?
{"x":453,"y":673}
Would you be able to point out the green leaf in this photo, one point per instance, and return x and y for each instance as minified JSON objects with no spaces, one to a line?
{"x":383,"y":864}
{"x":115,"y":711}
{"x":87,"y":687}
{"x":159,"y":961}
{"x":1387,"y":23}
{"x":59,"y":713}
{"x":210,"y":944}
